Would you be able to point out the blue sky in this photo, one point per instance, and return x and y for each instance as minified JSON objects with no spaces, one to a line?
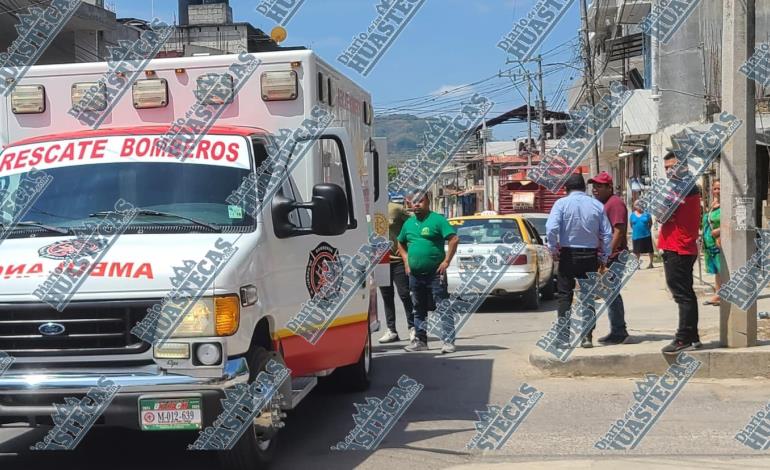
{"x":449,"y":43}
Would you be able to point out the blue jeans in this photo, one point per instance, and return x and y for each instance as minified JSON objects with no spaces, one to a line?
{"x":617,"y":313}
{"x":429,"y":289}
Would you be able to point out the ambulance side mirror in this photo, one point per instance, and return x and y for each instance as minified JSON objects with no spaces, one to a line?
{"x":328,"y":207}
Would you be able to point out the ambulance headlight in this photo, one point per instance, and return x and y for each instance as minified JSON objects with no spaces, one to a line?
{"x":95,"y":95}
{"x":279,"y":85}
{"x":150,"y":93}
{"x":28,"y":99}
{"x":210,"y":316}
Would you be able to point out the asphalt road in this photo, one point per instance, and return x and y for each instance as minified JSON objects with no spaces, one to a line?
{"x":489,"y":366}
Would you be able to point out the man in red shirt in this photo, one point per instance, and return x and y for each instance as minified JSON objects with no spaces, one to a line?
{"x":617,"y":213}
{"x":678,"y":239}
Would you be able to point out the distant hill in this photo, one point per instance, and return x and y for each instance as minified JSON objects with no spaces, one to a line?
{"x":404,"y":132}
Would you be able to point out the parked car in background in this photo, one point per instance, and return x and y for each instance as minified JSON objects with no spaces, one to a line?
{"x":529,"y":274}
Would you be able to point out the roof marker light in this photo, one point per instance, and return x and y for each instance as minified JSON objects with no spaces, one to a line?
{"x":150,"y":93}
{"x":28,"y":99}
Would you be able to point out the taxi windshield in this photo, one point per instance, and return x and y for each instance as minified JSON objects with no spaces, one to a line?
{"x":88,"y":176}
{"x":486,"y":230}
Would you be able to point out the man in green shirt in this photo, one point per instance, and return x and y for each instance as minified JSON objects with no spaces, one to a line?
{"x":421,"y":245}
{"x":397,"y":216}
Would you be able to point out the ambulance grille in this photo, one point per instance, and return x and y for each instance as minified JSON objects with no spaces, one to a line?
{"x":90,"y":327}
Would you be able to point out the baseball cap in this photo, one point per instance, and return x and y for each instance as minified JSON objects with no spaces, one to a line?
{"x":601,"y":178}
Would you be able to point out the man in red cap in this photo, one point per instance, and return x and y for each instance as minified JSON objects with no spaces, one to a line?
{"x":617,"y":213}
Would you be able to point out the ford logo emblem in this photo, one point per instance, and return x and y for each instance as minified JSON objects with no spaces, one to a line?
{"x":51,"y":329}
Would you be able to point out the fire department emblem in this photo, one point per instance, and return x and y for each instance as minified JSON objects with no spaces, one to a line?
{"x":380,"y":224}
{"x":317,"y":268}
{"x":67,"y":248}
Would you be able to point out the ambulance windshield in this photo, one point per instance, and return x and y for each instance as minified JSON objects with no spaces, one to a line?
{"x":66,"y":183}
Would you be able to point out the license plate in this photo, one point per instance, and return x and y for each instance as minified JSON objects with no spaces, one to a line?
{"x":175,"y":414}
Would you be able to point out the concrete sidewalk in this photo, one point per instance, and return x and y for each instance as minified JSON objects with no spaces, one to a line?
{"x":641,"y":463}
{"x":652,"y":318}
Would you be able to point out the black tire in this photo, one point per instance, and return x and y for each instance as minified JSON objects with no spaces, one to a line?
{"x":355,"y":377}
{"x":251,"y":452}
{"x":549,"y":291}
{"x":532,"y":295}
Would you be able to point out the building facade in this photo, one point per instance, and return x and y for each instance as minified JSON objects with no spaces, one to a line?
{"x":674,"y":86}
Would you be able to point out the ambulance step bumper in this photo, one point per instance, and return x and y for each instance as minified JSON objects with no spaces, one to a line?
{"x":300,"y":387}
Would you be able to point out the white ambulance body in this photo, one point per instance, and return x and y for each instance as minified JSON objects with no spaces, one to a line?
{"x":277,"y":267}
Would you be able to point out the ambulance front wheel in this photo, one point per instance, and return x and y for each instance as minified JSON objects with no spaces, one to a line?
{"x":254,"y":450}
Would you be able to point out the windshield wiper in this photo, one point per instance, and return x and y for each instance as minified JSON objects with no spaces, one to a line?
{"x":50,"y":228}
{"x":201,"y":223}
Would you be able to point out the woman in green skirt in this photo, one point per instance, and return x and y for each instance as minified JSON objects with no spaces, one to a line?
{"x":711,"y":243}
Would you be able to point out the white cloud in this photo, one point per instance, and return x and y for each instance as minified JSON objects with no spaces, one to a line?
{"x":448,"y":90}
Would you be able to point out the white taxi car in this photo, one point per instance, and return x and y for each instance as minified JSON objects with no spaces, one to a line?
{"x":529,"y":274}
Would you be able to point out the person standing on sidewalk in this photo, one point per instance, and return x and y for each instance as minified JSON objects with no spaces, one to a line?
{"x":579,"y":235}
{"x":678,"y":239}
{"x":421,"y":245}
{"x":397,"y":216}
{"x":617,"y":214}
{"x":641,"y":233}
{"x":712,"y":246}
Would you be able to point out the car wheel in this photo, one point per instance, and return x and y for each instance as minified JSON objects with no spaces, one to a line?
{"x":532,"y":295}
{"x":253,"y":450}
{"x":549,"y":291}
{"x":355,"y":377}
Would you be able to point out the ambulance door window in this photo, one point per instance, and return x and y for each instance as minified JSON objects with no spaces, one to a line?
{"x":335,"y":170}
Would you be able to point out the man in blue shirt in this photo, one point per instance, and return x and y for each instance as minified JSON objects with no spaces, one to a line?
{"x":579,"y":236}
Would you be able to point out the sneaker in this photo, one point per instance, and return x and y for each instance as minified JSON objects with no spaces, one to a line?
{"x":389,"y":337}
{"x":676,"y":346}
{"x":587,"y":342}
{"x":448,"y":348}
{"x":697,"y":344}
{"x":613,"y":339}
{"x":412,"y":334}
{"x":415,"y":346}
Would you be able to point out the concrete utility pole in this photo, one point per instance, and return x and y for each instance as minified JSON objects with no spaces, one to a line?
{"x":737,"y":328}
{"x":542,"y":107}
{"x":484,"y":163}
{"x":588,"y":78}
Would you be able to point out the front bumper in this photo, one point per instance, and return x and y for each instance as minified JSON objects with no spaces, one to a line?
{"x":509,"y":283}
{"x":29,"y":396}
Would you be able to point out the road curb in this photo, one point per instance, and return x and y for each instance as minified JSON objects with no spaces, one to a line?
{"x":718,"y":363}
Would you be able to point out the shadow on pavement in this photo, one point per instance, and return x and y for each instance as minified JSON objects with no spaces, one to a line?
{"x":454,"y":386}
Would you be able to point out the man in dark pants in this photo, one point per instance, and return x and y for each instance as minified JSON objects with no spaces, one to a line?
{"x":397,"y":216}
{"x":421,"y":245}
{"x":579,"y":237}
{"x":617,"y":213}
{"x":678,"y":239}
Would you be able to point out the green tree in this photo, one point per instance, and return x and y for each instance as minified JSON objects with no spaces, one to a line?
{"x":392,"y":172}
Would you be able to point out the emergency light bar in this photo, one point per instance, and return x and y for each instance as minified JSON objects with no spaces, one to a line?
{"x":214,"y":81}
{"x":279,"y":85}
{"x":150,"y":93}
{"x":28,"y":99}
{"x":79,"y":90}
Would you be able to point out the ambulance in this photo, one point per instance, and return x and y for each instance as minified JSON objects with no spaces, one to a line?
{"x":279,"y":263}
